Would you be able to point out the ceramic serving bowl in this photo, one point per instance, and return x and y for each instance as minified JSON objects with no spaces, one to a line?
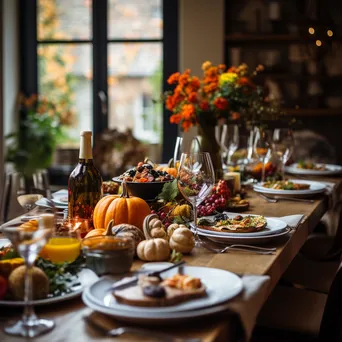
{"x":147,"y":191}
{"x":108,"y":254}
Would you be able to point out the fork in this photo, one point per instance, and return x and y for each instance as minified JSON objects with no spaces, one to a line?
{"x":160,"y":336}
{"x":239,"y":247}
{"x":275,"y":199}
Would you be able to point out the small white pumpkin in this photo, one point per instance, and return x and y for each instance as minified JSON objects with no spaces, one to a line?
{"x":172,"y":227}
{"x":153,"y":250}
{"x":154,"y":228}
{"x":182,"y":240}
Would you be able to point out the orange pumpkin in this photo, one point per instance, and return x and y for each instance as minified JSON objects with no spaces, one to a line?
{"x":121,"y":209}
{"x":170,"y":168}
{"x":95,"y":232}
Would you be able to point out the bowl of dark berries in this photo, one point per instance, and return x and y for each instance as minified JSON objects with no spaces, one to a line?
{"x":144,"y":180}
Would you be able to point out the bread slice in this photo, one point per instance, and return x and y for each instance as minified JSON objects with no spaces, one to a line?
{"x":134,"y":296}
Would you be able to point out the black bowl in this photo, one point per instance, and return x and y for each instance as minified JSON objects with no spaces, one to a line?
{"x":147,"y":191}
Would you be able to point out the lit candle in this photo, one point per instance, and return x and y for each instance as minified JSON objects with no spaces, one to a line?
{"x":237,"y":181}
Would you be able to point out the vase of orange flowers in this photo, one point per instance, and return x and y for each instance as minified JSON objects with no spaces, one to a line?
{"x":221,"y":94}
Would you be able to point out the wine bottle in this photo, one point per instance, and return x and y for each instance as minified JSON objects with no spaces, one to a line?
{"x":85,"y":183}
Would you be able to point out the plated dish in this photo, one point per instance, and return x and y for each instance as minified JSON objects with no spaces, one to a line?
{"x":313,"y":188}
{"x":317,"y":169}
{"x":286,"y":185}
{"x":96,"y":297}
{"x":244,"y":238}
{"x":242,"y":225}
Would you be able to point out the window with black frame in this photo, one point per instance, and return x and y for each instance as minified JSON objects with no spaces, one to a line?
{"x":101,"y":63}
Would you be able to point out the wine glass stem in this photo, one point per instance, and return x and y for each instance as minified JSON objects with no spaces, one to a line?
{"x":282,"y":169}
{"x":263,"y":171}
{"x":29,"y":316}
{"x":195,"y":220}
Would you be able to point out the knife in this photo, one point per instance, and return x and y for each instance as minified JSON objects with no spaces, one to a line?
{"x":131,"y":281}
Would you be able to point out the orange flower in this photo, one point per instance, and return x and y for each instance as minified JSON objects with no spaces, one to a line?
{"x":186,"y":125}
{"x":176,"y":118}
{"x":232,"y":69}
{"x":195,"y":83}
{"x":236,"y":116}
{"x":221,"y":103}
{"x":188,"y":111}
{"x":173,"y":79}
{"x":245,"y":81}
{"x":210,"y":87}
{"x":193,"y":97}
{"x":204,"y":105}
{"x":206,"y":65}
{"x":169,"y":103}
{"x":222,"y":67}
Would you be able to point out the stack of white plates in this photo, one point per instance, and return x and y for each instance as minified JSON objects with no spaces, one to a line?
{"x":315,"y":188}
{"x":60,"y":198}
{"x":99,"y":299}
{"x":273,"y":230}
{"x":329,"y":170}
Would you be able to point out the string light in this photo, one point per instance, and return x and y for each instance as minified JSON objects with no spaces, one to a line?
{"x":311,"y":30}
{"x":318,"y":42}
{"x":330,"y":33}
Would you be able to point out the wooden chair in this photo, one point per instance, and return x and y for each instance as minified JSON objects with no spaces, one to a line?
{"x":293,"y":314}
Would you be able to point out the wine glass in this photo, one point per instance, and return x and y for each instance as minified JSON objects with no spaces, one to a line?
{"x":31,"y":188}
{"x":196,"y":178}
{"x":262,"y":149}
{"x":178,"y":151}
{"x":229,"y":142}
{"x":283,"y":145}
{"x":28,"y":243}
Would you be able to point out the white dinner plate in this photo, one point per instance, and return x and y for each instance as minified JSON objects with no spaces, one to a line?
{"x":315,"y":188}
{"x":248,"y":240}
{"x":85,"y":277}
{"x":42,"y":203}
{"x":330,"y":170}
{"x":274,"y":226}
{"x":60,"y":197}
{"x":212,"y":278}
{"x":4,"y":242}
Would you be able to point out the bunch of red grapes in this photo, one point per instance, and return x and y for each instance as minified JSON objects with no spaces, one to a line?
{"x":163,"y":216}
{"x":216,"y":201}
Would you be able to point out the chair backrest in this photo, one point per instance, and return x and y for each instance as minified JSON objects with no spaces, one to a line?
{"x":331,"y":324}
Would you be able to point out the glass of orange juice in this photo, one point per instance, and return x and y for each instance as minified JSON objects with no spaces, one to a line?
{"x":65,"y":245}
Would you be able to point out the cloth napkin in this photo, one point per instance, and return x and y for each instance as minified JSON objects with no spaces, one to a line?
{"x":293,"y":221}
{"x":249,"y":303}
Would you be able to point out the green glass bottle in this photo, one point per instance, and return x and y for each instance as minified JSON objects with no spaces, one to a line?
{"x":85,"y":183}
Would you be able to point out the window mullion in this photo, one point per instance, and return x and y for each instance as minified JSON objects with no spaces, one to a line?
{"x":100,"y":68}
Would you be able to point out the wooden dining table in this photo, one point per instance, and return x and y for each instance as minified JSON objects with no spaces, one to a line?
{"x":69,"y":315}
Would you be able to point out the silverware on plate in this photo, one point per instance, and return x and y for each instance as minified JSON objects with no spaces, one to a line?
{"x":275,"y":199}
{"x":240,"y":247}
{"x":160,"y":336}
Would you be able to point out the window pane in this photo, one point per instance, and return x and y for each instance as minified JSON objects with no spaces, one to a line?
{"x":135,"y":80}
{"x":134,"y":19}
{"x":65,"y":78}
{"x":64,"y":19}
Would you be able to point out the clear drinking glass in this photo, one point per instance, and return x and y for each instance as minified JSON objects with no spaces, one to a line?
{"x":283,"y":145}
{"x":229,"y":142}
{"x":196,"y":177}
{"x":28,"y":243}
{"x":262,"y":148}
{"x":178,"y":151}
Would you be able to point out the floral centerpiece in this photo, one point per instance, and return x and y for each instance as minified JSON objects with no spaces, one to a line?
{"x":40,"y":127}
{"x":222,"y":94}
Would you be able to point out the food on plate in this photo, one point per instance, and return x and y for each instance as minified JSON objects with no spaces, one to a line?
{"x":286,"y":185}
{"x":8,"y":265}
{"x":238,"y":203}
{"x":152,"y":291}
{"x":237,"y":224}
{"x":146,"y":173}
{"x":40,"y":281}
{"x":29,"y":225}
{"x":311,"y":166}
{"x":110,"y":187}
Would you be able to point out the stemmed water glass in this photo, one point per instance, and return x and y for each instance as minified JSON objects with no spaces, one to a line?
{"x":227,"y":136}
{"x":28,"y":243}
{"x":283,"y":145}
{"x":196,"y":178}
{"x":262,"y":148}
